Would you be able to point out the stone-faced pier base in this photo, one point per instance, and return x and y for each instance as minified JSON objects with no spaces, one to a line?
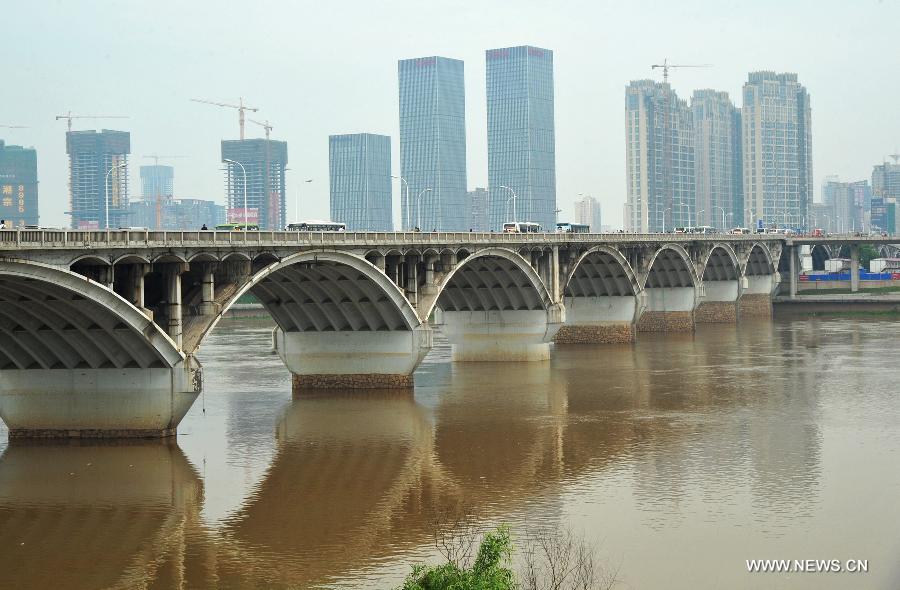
{"x":755,"y":305}
{"x":606,"y":333}
{"x":358,"y":381}
{"x":666,"y":321}
{"x":716,"y":312}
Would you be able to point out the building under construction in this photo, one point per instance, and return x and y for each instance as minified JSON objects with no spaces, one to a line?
{"x":264,"y":161}
{"x":95,"y":175}
{"x":18,"y":185}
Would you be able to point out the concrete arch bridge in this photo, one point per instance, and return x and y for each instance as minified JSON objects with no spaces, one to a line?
{"x":99,"y":330}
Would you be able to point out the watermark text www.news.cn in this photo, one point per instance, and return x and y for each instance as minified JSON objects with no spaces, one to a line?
{"x":809,"y":566}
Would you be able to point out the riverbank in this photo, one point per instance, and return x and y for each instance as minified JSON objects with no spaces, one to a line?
{"x":838,"y":304}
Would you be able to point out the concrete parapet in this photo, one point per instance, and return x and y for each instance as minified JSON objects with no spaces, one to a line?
{"x":97,"y":403}
{"x":605,"y":333}
{"x":756,"y":305}
{"x":716,"y":312}
{"x":354,"y":381}
{"x":666,"y":321}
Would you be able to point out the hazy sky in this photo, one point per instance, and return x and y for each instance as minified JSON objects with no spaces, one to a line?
{"x":319,"y":68}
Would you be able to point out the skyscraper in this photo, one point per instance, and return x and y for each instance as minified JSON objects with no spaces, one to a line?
{"x":433,"y":142}
{"x":18,"y":185}
{"x":587,"y":211}
{"x":98,"y":178}
{"x":477,"y":204}
{"x":717,"y":159}
{"x":157,"y":181}
{"x":521,"y":135}
{"x":659,"y":145}
{"x":777,"y":146}
{"x":264,"y":161}
{"x":360,"y":181}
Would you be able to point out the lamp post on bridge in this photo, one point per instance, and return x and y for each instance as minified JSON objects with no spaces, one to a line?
{"x":405,"y":202}
{"x":246,"y":225}
{"x":698,"y":216}
{"x":724,"y":225}
{"x":513,"y":198}
{"x":106,"y":189}
{"x":419,"y":207}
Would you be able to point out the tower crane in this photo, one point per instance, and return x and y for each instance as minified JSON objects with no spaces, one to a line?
{"x":665,"y":66}
{"x":156,"y":158}
{"x":69,"y":116}
{"x":265,"y":125}
{"x":240,"y":106}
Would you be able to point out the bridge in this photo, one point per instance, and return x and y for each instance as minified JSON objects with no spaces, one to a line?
{"x":99,"y":330}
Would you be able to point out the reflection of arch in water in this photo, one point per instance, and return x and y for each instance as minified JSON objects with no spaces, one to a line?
{"x":64,"y":509}
{"x":346,"y":470}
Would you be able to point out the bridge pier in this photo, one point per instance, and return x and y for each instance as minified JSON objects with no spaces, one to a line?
{"x":756,"y":299}
{"x":98,"y":403}
{"x":719,"y":303}
{"x":669,"y":309}
{"x":352,"y":360}
{"x":599,"y":320}
{"x":502,"y":335}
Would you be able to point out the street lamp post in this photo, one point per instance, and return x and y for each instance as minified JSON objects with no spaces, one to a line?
{"x":513,"y":198}
{"x":722,"y":209}
{"x":698,"y":216}
{"x":419,"y":207}
{"x":405,"y":203}
{"x":297,"y":204}
{"x":246,"y":225}
{"x":106,"y":189}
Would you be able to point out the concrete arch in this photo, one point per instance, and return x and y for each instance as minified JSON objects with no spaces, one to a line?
{"x":492,"y":279}
{"x":58,"y":319}
{"x":90,"y":259}
{"x":759,"y":262}
{"x":602,"y":270}
{"x":203,"y":257}
{"x":721,"y":264}
{"x":670,"y":267}
{"x":131,"y":259}
{"x":819,"y":254}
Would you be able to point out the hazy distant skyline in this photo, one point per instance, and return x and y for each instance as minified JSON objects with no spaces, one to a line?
{"x":317,"y":69}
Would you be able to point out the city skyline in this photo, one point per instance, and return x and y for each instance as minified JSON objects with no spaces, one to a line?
{"x":588,"y":118}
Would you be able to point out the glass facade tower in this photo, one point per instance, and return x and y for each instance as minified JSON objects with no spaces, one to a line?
{"x":717,"y":159}
{"x":97,"y":181}
{"x":265,"y":162}
{"x":521,"y":135}
{"x":433,"y":143}
{"x":18,"y":185}
{"x":777,"y":150}
{"x":360,"y":181}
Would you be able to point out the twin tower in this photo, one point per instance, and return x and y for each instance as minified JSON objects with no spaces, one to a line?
{"x":521,"y":149}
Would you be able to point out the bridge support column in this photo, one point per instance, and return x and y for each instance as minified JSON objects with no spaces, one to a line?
{"x":352,"y":360}
{"x":208,"y":304}
{"x":174,"y":323}
{"x":412,"y":281}
{"x":598,"y":320}
{"x":756,"y":299}
{"x":719,"y":303}
{"x":521,"y":335}
{"x":669,"y":309}
{"x":136,"y":287}
{"x":98,"y":403}
{"x":854,"y":268}
{"x":794,"y":268}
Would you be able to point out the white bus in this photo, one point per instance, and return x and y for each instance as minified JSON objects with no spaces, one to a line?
{"x":564,"y":227}
{"x":317,"y":225}
{"x":522,"y":227}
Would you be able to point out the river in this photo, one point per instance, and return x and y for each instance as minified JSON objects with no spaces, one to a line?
{"x":680,"y":458}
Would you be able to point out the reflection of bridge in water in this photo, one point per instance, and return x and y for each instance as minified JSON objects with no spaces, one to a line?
{"x":357,"y":477}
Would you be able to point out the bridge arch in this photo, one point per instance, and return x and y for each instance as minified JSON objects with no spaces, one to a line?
{"x":491,"y":279}
{"x":819,"y":254}
{"x":759,"y":262}
{"x":670,"y":267}
{"x":721,"y":264}
{"x":721,"y":286}
{"x":58,"y":319}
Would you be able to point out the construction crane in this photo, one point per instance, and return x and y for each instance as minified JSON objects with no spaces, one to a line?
{"x":265,"y":125}
{"x":665,"y":65}
{"x":240,"y":106}
{"x":156,"y":158}
{"x":69,"y":116}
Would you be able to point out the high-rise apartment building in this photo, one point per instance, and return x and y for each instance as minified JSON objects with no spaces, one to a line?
{"x":98,"y":178}
{"x":846,"y":206}
{"x":360,"y":181}
{"x":433,"y":142}
{"x":659,"y":146}
{"x":18,"y":185}
{"x":587,"y":211}
{"x":264,"y":162}
{"x":777,"y":149}
{"x":157,"y":182}
{"x":521,"y":135}
{"x":886,"y":179}
{"x":717,"y":160}
{"x":477,"y":209}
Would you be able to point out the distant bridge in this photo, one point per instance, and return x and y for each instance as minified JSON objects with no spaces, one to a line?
{"x":99,"y":329}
